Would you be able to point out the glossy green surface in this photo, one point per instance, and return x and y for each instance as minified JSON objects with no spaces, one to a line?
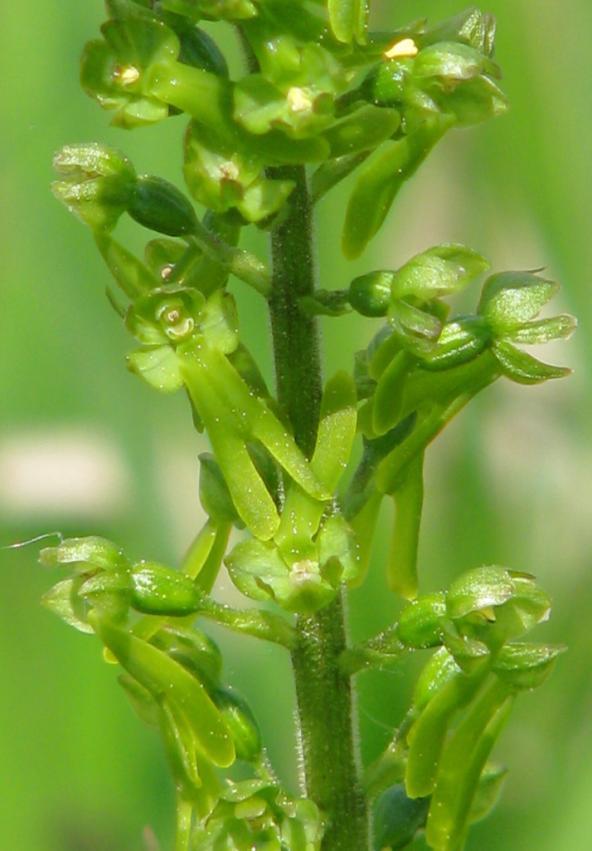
{"x":509,"y":484}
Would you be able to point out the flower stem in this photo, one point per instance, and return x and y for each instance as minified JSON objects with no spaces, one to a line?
{"x":323,"y":691}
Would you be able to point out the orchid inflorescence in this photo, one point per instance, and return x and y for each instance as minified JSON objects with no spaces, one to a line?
{"x":324,"y":92}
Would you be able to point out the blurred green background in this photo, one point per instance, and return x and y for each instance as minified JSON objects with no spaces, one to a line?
{"x":85,"y":447}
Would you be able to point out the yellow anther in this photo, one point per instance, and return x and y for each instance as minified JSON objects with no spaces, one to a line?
{"x":404,"y":49}
{"x":298,"y":100}
{"x":127,"y":74}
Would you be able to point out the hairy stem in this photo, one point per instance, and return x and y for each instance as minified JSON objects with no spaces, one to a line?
{"x":323,"y":691}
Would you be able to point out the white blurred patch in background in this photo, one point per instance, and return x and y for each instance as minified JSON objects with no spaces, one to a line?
{"x":61,"y":472}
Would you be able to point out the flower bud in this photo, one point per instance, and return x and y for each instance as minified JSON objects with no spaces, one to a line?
{"x":160,"y":206}
{"x":158,"y":590}
{"x":241,"y":723}
{"x":96,"y":185}
{"x":370,"y":294}
{"x":421,"y":622}
{"x":398,"y":818}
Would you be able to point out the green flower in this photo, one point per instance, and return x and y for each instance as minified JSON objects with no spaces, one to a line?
{"x":96,"y":183}
{"x":115,"y":69}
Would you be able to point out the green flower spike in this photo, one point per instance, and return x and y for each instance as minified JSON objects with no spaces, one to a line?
{"x":96,"y":183}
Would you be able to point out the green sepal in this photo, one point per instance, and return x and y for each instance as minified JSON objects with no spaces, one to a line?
{"x":495,"y":605}
{"x":472,"y":27}
{"x":158,"y":366}
{"x":526,"y":666}
{"x":453,"y":63}
{"x":348,"y":19}
{"x":95,"y":183}
{"x":474,"y":101}
{"x":115,"y":71}
{"x":87,"y":553}
{"x":64,"y":601}
{"x":420,"y":624}
{"x":159,"y":590}
{"x":543,"y":331}
{"x":241,"y":722}
{"x":509,"y":299}
{"x":172,"y":686}
{"x":132,"y":276}
{"x":439,"y":271}
{"x":397,"y":818}
{"x":522,"y":368}
{"x":461,"y":765}
{"x":158,"y":205}
{"x":479,"y":590}
{"x":379,"y":181}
